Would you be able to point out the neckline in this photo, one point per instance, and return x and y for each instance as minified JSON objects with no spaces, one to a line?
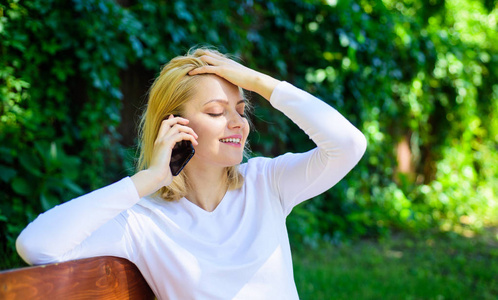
{"x":202,"y":210}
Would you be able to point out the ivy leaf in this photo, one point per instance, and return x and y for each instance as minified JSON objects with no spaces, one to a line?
{"x":21,"y":186}
{"x":73,"y":187}
{"x":31,"y":163}
{"x":6,"y":173}
{"x":48,"y":201}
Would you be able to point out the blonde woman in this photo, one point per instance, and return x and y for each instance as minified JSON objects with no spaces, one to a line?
{"x":217,"y":230}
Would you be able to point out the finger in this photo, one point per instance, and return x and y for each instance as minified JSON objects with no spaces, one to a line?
{"x":176,"y":138}
{"x":169,"y":137}
{"x":172,"y":120}
{"x":166,"y":124}
{"x":177,"y":128}
{"x":211,"y":58}
{"x":204,"y":70}
{"x":184,"y":136}
{"x":176,"y":119}
{"x":214,"y":55}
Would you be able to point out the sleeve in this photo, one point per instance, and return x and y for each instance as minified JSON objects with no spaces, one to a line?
{"x":91,"y":225}
{"x":340,"y":146}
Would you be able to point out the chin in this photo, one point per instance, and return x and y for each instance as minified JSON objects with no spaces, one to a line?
{"x":233,"y":162}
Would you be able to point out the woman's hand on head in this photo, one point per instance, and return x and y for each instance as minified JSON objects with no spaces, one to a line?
{"x":172,"y":131}
{"x":237,"y":74}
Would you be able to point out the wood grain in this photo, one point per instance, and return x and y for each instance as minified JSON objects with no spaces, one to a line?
{"x":103,"y":277}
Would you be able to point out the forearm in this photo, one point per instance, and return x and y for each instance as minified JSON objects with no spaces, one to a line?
{"x":60,"y":230}
{"x":264,"y":85}
{"x":331,"y":131}
{"x":298,"y":177}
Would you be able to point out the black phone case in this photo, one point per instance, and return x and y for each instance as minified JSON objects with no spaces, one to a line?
{"x":180,"y":156}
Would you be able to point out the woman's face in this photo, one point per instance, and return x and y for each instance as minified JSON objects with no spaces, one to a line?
{"x":216,"y":114}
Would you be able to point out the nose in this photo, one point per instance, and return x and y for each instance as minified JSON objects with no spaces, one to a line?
{"x":236,"y":120}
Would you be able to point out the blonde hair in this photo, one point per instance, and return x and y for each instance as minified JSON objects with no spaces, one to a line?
{"x":169,"y":93}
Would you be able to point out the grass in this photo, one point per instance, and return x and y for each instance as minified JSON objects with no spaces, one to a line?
{"x":401,"y":267}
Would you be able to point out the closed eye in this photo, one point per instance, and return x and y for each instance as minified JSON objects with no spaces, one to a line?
{"x":215,"y":115}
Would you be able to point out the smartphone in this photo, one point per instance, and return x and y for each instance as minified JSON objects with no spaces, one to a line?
{"x":180,"y":156}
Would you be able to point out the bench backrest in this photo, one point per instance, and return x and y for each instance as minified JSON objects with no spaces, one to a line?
{"x":103,"y":277}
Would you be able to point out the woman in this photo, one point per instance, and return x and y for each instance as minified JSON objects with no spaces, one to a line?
{"x":217,"y":230}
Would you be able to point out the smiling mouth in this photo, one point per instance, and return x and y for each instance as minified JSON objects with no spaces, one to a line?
{"x":231,"y":140}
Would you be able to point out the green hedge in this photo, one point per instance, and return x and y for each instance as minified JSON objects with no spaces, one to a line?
{"x":419,"y":71}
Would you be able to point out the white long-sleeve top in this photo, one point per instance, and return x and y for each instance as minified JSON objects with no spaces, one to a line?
{"x":238,"y":251}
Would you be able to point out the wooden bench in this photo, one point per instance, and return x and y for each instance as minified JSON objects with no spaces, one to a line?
{"x":103,"y":277}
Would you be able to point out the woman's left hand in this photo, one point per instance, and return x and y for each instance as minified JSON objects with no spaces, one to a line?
{"x":237,"y":74}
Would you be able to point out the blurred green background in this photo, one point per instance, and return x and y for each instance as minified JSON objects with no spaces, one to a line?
{"x":418,"y":77}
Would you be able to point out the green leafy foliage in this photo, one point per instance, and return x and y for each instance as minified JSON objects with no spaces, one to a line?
{"x":415,"y":71}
